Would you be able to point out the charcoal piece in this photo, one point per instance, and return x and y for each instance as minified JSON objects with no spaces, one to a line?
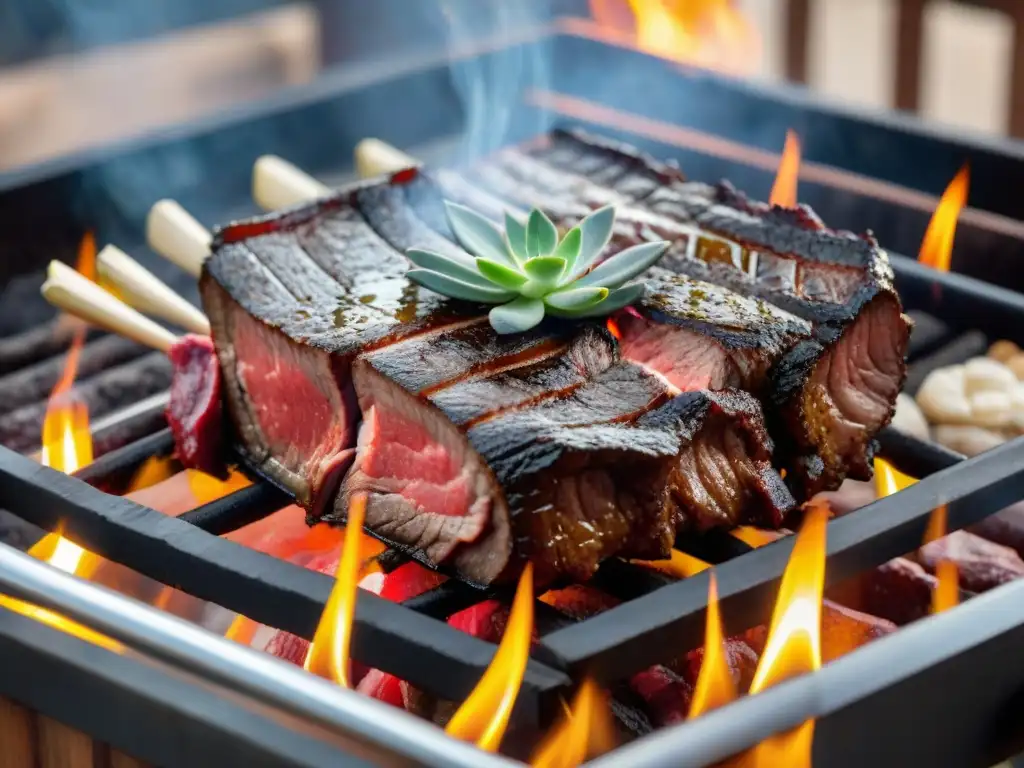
{"x":927,"y":335}
{"x":33,"y":383}
{"x":959,"y":350}
{"x":740,"y":657}
{"x":665,"y":694}
{"x":899,"y":591}
{"x":1005,"y":527}
{"x":981,"y":564}
{"x":844,"y":629}
{"x":38,"y":343}
{"x":20,"y":430}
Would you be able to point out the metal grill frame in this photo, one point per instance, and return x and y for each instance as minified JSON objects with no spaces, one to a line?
{"x":867,"y":689}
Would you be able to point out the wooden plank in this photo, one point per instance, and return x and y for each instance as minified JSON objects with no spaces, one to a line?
{"x":17,"y":736}
{"x":60,"y":746}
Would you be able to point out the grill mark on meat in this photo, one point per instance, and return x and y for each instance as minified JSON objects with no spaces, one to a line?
{"x":475,"y":399}
{"x":424,"y":364}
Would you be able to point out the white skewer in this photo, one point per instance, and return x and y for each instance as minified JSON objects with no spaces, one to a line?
{"x":77,"y":295}
{"x":175,"y":235}
{"x":146,"y":292}
{"x":276,"y":184}
{"x":376,"y":158}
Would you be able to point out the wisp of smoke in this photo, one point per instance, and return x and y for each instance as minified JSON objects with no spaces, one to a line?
{"x":491,"y":86}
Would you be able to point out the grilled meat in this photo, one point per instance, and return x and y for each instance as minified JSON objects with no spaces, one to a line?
{"x":194,"y":412}
{"x":834,"y":390}
{"x":478,"y":450}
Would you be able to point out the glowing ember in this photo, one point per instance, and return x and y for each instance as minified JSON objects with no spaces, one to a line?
{"x":586,"y":732}
{"x":794,"y":640}
{"x":207,"y":488}
{"x":154,"y":470}
{"x":705,"y":33}
{"x":483,"y":716}
{"x":715,"y":686}
{"x":784,"y":188}
{"x":680,"y":565}
{"x":937,"y":246}
{"x":328,"y":653}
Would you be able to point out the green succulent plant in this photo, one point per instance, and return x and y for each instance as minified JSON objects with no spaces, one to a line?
{"x":529,"y":272}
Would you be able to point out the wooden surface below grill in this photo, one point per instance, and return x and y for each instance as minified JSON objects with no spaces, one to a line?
{"x":31,"y":740}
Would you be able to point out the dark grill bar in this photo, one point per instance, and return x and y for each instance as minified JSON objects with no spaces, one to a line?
{"x":416,"y":648}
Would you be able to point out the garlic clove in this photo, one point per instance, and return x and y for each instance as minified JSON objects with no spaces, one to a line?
{"x":941,"y":397}
{"x":966,"y":439}
{"x":1003,"y":350}
{"x":990,"y":409}
{"x":908,"y":417}
{"x":983,"y":374}
{"x":1016,"y":364}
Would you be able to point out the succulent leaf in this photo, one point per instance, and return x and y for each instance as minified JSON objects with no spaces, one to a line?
{"x":576,"y":299}
{"x":515,"y":235}
{"x":438,"y":262}
{"x":517,"y":316}
{"x":541,"y":235}
{"x":477,"y":234}
{"x":624,"y":265}
{"x":596,"y":231}
{"x":499,"y":274}
{"x":457,"y":289}
{"x":569,"y":248}
{"x":527,"y":271}
{"x":616,"y":300}
{"x":545,"y":269}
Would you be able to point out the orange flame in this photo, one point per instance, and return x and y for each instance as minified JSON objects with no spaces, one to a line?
{"x":947,"y":587}
{"x":784,"y":188}
{"x":586,"y":732}
{"x":484,"y":715}
{"x":715,"y":686}
{"x":755,"y":537}
{"x":889,"y":480}
{"x":794,"y":640}
{"x":937,"y":246}
{"x":680,"y":565}
{"x":705,"y":33}
{"x":328,"y":653}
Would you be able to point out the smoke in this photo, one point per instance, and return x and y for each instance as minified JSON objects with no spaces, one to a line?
{"x":490,"y":87}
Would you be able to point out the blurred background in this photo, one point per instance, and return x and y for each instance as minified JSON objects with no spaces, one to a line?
{"x":79,"y":74}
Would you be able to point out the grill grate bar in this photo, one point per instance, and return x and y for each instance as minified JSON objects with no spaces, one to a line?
{"x":634,"y":635}
{"x":426,"y":652}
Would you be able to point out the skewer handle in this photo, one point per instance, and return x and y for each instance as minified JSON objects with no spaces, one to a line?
{"x":175,"y":235}
{"x":376,"y":158}
{"x":146,"y":292}
{"x":276,"y":184}
{"x":75,"y":294}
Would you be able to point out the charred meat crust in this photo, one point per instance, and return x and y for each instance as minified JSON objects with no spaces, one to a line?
{"x":837,"y":281}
